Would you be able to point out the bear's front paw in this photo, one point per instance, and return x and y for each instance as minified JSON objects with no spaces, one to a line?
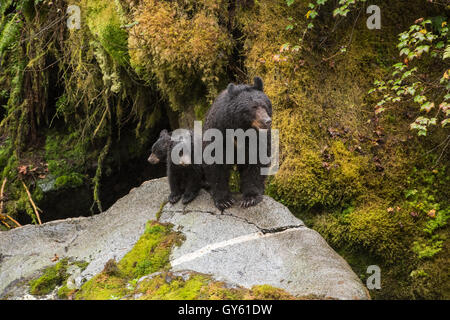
{"x":188,"y":197}
{"x":224,"y":203}
{"x":249,"y":201}
{"x":174,"y":197}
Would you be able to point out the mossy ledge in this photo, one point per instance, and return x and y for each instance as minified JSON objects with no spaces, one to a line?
{"x":144,"y":274}
{"x":53,"y":277}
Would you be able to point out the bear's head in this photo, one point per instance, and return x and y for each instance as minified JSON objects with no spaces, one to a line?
{"x":160,"y":148}
{"x":252,"y":107}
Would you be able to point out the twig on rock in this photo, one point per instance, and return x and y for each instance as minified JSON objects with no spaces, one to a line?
{"x":36,"y":212}
{"x":4,"y":222}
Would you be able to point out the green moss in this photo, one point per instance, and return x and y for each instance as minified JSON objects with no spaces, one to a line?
{"x":104,"y":20}
{"x":374,"y":229}
{"x":315,"y":179}
{"x":64,"y":292}
{"x":267,"y":292}
{"x":65,"y":156}
{"x":185,"y":47}
{"x":151,"y":252}
{"x":9,"y":33}
{"x":5,"y":152}
{"x":103,"y":287}
{"x":60,"y":145}
{"x":166,"y":286}
{"x":52,"y":277}
{"x":72,"y":180}
{"x":161,"y":207}
{"x":81,"y":264}
{"x":177,"y":289}
{"x":55,"y":276}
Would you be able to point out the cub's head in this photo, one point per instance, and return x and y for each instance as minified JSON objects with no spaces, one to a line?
{"x":160,"y":148}
{"x":253,"y":107}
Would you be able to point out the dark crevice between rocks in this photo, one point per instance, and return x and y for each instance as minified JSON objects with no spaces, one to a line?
{"x":281,"y":229}
{"x":262,"y":230}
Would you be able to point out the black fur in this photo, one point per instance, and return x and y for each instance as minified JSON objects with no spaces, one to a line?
{"x":235,"y":108}
{"x":184,"y":180}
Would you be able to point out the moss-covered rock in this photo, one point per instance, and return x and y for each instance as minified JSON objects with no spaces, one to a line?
{"x":55,"y":276}
{"x":150,"y":254}
{"x":343,"y":169}
{"x":143,"y":273}
{"x":313,"y":178}
{"x":84,"y":102}
{"x":105,"y":20}
{"x":194,"y":286}
{"x":185,"y":46}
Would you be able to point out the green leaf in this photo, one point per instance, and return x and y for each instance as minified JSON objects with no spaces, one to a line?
{"x":404,"y":51}
{"x":446,"y":52}
{"x":427,"y":106}
{"x":420,"y":99}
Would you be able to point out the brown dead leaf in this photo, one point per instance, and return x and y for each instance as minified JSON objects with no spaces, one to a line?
{"x":432,"y":213}
{"x":22,"y":169}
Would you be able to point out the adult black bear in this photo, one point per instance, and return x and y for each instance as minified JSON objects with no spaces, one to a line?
{"x":184,"y":176}
{"x":238,"y":107}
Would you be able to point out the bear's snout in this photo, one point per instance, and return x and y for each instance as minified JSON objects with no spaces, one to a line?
{"x":262,"y":119}
{"x":153,"y":159}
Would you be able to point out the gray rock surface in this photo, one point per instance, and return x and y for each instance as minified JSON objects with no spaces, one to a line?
{"x":265,"y":244}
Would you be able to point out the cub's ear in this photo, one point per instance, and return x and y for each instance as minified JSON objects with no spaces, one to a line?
{"x":163,"y":133}
{"x":258,"y":84}
{"x":232,"y":90}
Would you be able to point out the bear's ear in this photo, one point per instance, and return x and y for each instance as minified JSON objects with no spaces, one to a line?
{"x":163,"y":133}
{"x":258,"y":84}
{"x":232,"y":90}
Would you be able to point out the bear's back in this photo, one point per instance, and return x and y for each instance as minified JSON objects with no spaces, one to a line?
{"x":221,"y":113}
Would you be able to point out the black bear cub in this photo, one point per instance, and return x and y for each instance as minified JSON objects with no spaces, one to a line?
{"x":184,"y":176}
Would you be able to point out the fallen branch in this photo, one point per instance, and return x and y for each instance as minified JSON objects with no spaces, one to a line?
{"x":1,"y":194}
{"x":18,"y":224}
{"x":4,"y":222}
{"x":36,"y":212}
{"x":4,"y":216}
